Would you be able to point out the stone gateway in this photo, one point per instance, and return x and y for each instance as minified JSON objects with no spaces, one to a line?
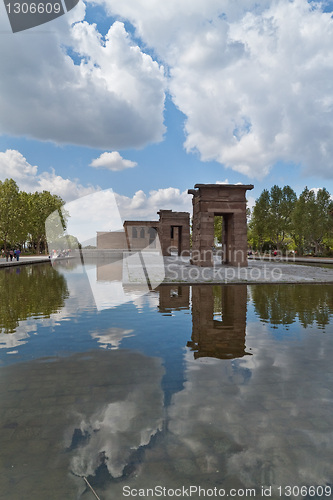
{"x":228,"y":201}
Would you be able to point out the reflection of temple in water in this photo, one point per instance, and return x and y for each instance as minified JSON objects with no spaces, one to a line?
{"x":218,"y":317}
{"x":173,"y":298}
{"x":109,"y":271}
{"x":218,"y":313}
{"x":219,"y":321}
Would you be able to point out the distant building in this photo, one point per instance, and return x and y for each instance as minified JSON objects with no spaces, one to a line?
{"x":172,"y":229}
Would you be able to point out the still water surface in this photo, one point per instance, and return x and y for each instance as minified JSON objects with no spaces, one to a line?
{"x":227,"y":387}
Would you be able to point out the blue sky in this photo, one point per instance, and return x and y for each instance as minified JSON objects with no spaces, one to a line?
{"x":149,"y":98}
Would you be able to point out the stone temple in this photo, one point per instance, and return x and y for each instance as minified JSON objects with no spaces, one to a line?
{"x":173,"y":228}
{"x":228,"y":201}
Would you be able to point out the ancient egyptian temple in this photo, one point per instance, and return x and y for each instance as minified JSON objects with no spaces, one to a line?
{"x":173,"y":228}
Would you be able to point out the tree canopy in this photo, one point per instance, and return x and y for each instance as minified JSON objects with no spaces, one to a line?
{"x":280,"y":218}
{"x":23,"y":216}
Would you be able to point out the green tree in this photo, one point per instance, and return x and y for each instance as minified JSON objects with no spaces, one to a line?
{"x":272,"y":216}
{"x":22,"y":228}
{"x":23,"y":215}
{"x":312,"y":220}
{"x":323,"y":226}
{"x":282,"y":204}
{"x":9,"y":212}
{"x":41,"y":205}
{"x":259,"y":225}
{"x":300,"y":220}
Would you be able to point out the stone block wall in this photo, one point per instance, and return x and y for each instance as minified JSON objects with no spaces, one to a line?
{"x":111,"y":240}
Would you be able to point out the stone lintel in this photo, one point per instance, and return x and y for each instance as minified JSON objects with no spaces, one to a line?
{"x":222,"y":193}
{"x":224,"y":211}
{"x":219,"y":186}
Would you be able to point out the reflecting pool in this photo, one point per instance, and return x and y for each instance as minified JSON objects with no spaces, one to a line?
{"x":226,"y":388}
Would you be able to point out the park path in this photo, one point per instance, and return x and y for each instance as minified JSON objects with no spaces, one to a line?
{"x":24,"y":260}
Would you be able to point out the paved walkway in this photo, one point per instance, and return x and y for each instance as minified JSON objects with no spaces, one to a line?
{"x":24,"y":260}
{"x":179,"y":270}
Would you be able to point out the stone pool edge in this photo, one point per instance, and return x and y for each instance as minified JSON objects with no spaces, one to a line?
{"x":180,"y":272}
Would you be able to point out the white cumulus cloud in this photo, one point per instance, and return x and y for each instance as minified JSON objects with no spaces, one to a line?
{"x":112,"y":161}
{"x":107,"y":93}
{"x":254,"y":79}
{"x":15,"y":166}
{"x":145,"y":207}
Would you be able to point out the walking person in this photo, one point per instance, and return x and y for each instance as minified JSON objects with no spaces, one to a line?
{"x":11,"y":255}
{"x":18,"y":251}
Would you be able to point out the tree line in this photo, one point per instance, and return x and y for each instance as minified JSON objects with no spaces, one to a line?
{"x":280,"y":220}
{"x":23,"y":216}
